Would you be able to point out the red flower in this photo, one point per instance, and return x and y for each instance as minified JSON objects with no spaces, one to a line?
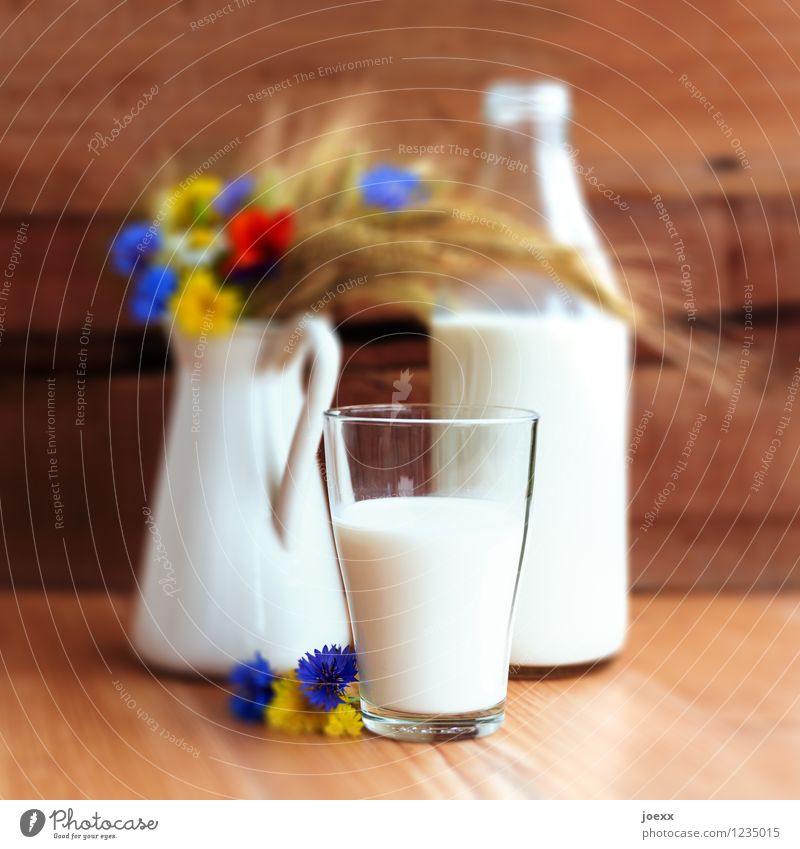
{"x":258,"y":238}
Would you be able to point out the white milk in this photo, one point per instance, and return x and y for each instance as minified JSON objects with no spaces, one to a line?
{"x":430,"y":584}
{"x":573,"y":370}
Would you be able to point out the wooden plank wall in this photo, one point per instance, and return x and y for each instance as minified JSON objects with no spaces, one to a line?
{"x":694,"y":103}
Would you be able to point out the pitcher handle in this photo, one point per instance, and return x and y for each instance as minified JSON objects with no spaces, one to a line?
{"x":322,"y":355}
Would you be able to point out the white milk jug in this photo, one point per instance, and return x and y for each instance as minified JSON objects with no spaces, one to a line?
{"x":239,"y":554}
{"x":554,"y":353}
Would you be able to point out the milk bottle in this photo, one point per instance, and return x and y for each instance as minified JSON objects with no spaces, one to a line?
{"x":547,"y":350}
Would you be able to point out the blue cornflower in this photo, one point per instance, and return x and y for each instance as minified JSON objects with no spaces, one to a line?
{"x":233,"y":197}
{"x":251,"y":683}
{"x":136,"y":240}
{"x":154,"y":287}
{"x":325,"y":674}
{"x":389,"y":187}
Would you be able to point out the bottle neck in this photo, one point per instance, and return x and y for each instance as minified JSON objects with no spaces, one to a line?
{"x":522,"y":155}
{"x":530,"y":168}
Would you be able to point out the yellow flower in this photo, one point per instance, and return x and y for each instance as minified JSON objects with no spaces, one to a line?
{"x":344,"y":721}
{"x":201,"y":237}
{"x":191,"y":203}
{"x":289,"y":711}
{"x":202,"y":307}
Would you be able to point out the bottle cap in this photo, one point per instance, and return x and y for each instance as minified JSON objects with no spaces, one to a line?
{"x":509,"y":101}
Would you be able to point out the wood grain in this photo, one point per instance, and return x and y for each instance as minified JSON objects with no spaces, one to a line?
{"x":701,"y":704}
{"x":71,"y":74}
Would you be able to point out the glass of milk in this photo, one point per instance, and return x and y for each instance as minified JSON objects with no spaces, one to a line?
{"x":430,"y":507}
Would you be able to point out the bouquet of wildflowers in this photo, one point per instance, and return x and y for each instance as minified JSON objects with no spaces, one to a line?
{"x":317,"y":696}
{"x":271,"y":246}
{"x":208,"y":247}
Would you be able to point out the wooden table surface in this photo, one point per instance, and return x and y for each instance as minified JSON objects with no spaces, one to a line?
{"x":703,"y":703}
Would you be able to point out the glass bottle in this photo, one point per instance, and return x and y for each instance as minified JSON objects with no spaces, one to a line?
{"x":528,"y":340}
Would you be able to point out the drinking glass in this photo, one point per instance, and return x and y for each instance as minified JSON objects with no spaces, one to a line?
{"x":430,"y":506}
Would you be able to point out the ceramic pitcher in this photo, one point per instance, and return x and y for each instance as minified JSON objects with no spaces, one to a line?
{"x":239,"y":554}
